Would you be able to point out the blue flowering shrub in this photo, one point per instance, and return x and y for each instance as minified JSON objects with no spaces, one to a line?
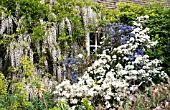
{"x":122,"y":68}
{"x":71,"y":68}
{"x":74,"y":67}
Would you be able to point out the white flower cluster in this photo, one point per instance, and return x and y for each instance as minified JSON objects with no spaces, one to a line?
{"x":113,"y":77}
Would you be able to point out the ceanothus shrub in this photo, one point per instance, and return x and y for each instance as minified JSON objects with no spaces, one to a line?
{"x":119,"y":71}
{"x":74,"y":66}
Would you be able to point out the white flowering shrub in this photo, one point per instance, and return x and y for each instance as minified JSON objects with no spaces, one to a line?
{"x":120,"y":70}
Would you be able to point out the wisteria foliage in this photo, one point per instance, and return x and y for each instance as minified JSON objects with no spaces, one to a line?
{"x":119,"y":71}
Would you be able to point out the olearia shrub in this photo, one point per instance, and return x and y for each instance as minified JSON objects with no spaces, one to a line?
{"x":122,"y":68}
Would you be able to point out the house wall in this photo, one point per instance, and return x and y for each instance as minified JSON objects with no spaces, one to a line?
{"x":112,"y":3}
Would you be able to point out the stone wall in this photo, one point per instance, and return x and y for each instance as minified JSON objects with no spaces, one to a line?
{"x":112,"y":3}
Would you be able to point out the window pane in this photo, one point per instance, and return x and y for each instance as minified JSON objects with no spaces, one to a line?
{"x":92,"y":50}
{"x":100,"y":35}
{"x":92,"y":38}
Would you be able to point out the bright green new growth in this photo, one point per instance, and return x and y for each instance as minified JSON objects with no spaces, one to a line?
{"x":61,"y":106}
{"x":28,"y":67}
{"x":86,"y":105}
{"x":3,"y":90}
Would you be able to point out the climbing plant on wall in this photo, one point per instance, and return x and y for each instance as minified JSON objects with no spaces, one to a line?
{"x":43,"y":30}
{"x":32,"y":11}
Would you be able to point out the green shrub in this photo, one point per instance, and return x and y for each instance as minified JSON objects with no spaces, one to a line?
{"x":61,"y":106}
{"x":43,"y":102}
{"x":128,"y":12}
{"x":159,"y":24}
{"x":84,"y":105}
{"x":18,"y":100}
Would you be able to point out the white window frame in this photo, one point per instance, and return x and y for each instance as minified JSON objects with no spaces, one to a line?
{"x":96,"y":44}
